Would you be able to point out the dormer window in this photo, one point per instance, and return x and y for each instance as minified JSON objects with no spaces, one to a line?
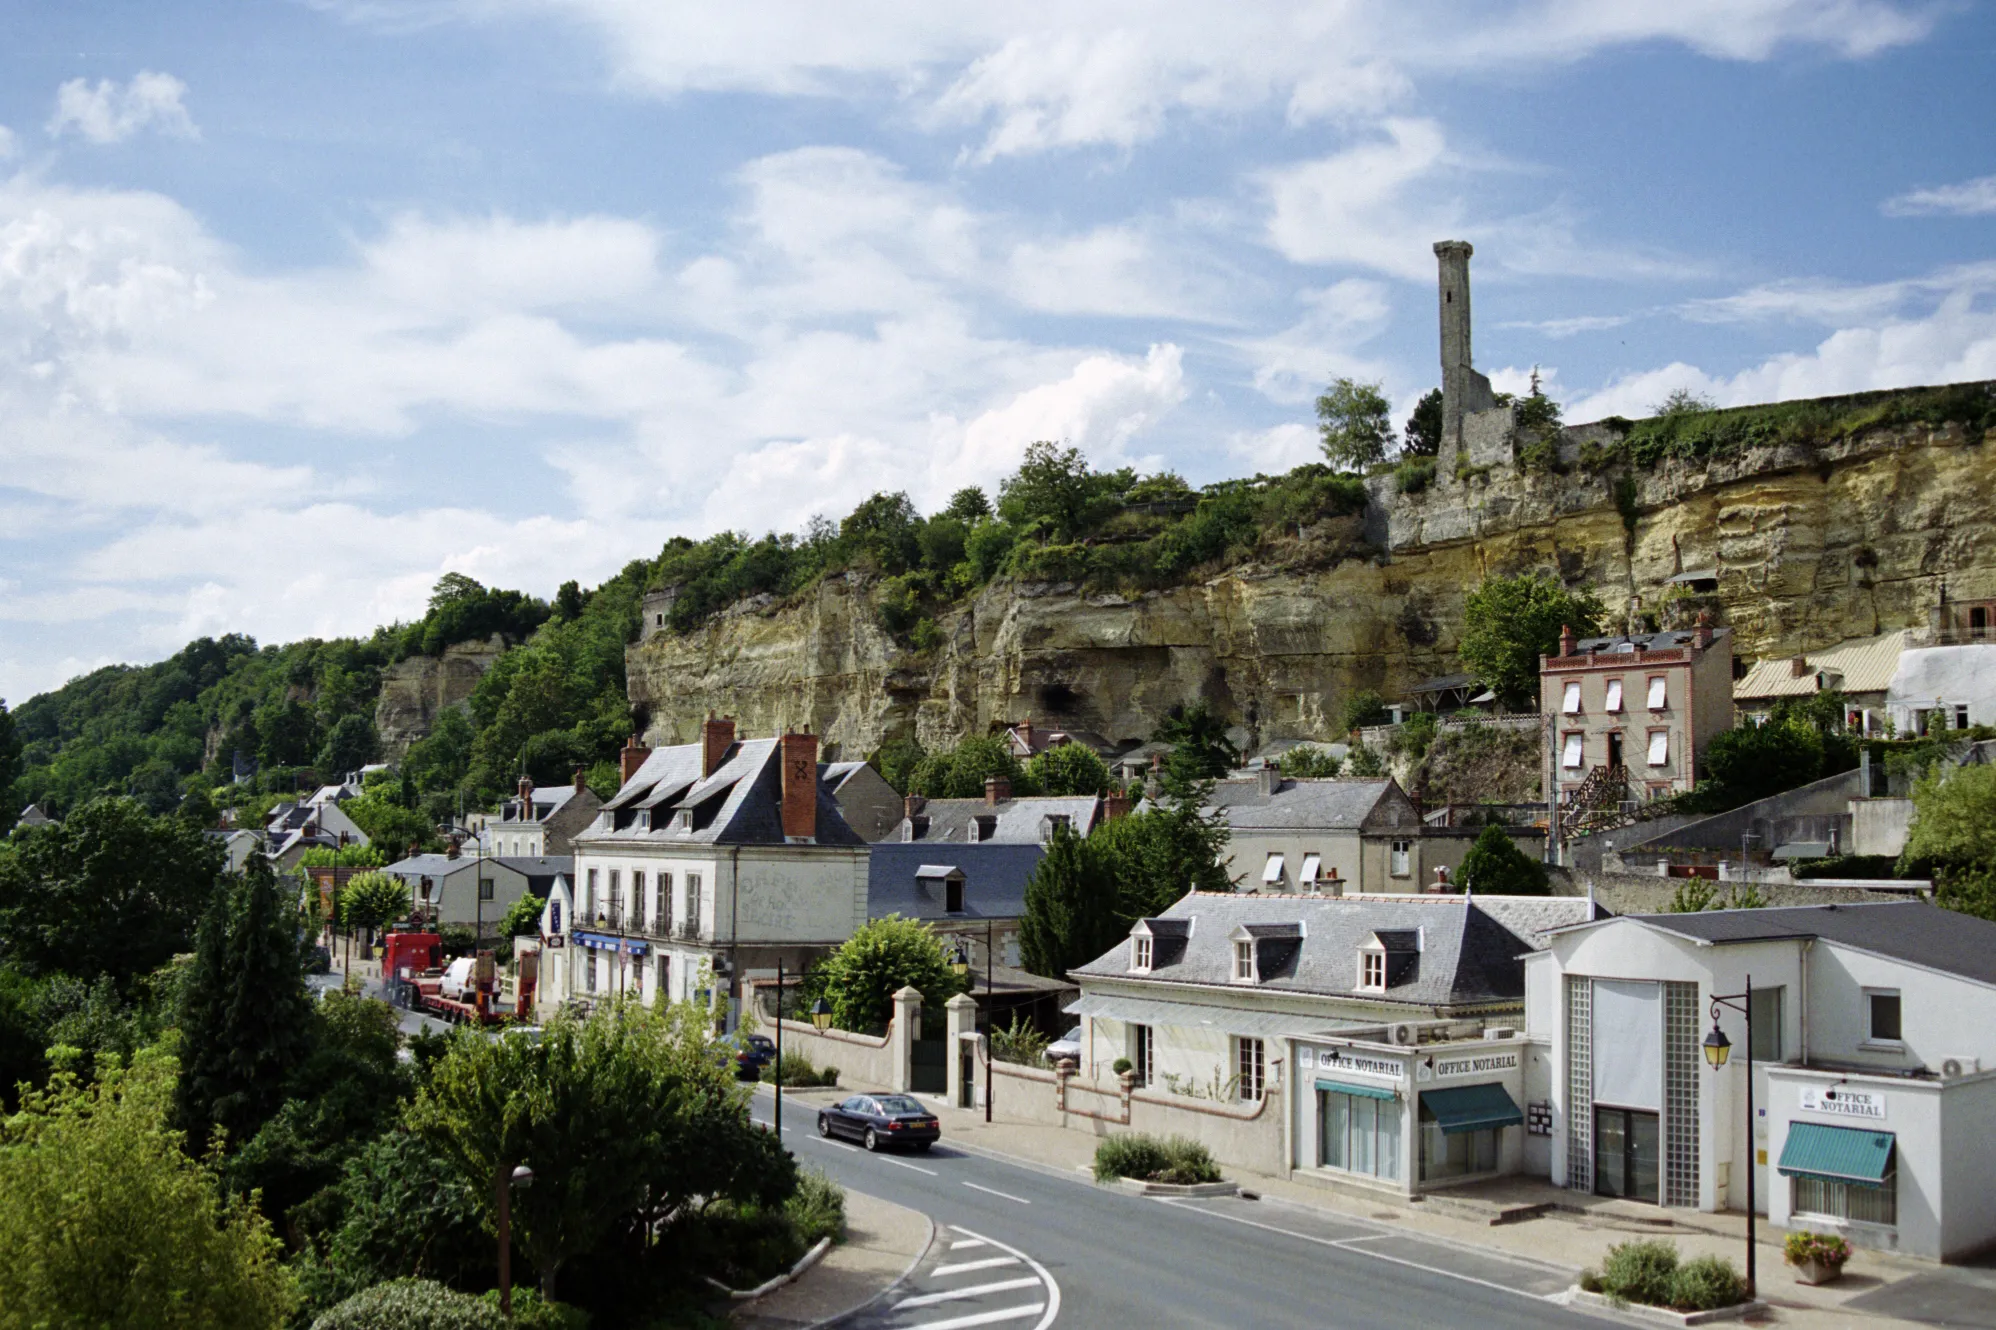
{"x":953,"y":896}
{"x":915,"y":828}
{"x":1372,"y":970}
{"x":1140,"y":952}
{"x":982,"y":829}
{"x":682,"y":821}
{"x":1052,"y":823}
{"x":1244,"y":961}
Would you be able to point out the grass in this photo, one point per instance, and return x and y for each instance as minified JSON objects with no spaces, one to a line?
{"x":1700,"y":435}
{"x":1173,"y":1159}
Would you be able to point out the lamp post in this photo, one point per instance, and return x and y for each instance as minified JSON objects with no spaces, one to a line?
{"x":779,"y":1049}
{"x":990,"y":1018}
{"x":1717,"y":1049}
{"x":522,"y":1177}
{"x":821,"y":1015}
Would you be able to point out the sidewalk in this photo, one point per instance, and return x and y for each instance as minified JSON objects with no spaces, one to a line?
{"x":1576,"y":1237}
{"x":883,"y":1241}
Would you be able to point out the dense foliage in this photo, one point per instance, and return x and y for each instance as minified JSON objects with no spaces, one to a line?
{"x":1172,"y":1159}
{"x":1496,"y":866}
{"x":1509,"y":622}
{"x":1355,"y":423}
{"x":1649,"y":1272}
{"x":860,"y":978}
{"x":1689,"y":430}
{"x":1953,"y":837}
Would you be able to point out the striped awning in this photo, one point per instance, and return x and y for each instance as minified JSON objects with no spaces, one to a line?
{"x":1471,"y":1108}
{"x":1838,"y":1154}
{"x":1362,"y":1091}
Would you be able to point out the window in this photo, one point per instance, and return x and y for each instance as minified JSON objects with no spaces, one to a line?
{"x":1659,"y":748}
{"x":1401,"y":854}
{"x":1765,"y":1024}
{"x":1834,"y":1199}
{"x":1271,"y":872}
{"x":1250,"y":1068}
{"x":589,"y":898}
{"x":662,"y":988}
{"x":1372,"y":970}
{"x":589,"y":973}
{"x":638,"y":901}
{"x":982,"y":829}
{"x":1614,"y":702}
{"x":1978,"y":622}
{"x":663,"y":914}
{"x":1052,"y":823}
{"x":1141,"y":1054}
{"x":616,"y":898}
{"x":1885,"y":1027}
{"x":1570,"y":702}
{"x":485,"y":888}
{"x":1455,"y":1154}
{"x":1960,"y":717}
{"x":953,"y":895}
{"x":1140,"y":953}
{"x":691,"y":926}
{"x":1358,"y":1133}
{"x":1570,"y":752}
{"x":1659,"y":693}
{"x":1244,"y":960}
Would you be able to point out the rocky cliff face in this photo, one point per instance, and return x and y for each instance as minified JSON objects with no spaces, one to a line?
{"x":1810,"y":545}
{"x":415,"y":691}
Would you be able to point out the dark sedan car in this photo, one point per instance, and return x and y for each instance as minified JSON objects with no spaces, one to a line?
{"x":750,"y":1053}
{"x":880,"y":1120}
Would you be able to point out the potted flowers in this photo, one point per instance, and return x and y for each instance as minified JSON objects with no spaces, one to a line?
{"x":1818,"y":1258}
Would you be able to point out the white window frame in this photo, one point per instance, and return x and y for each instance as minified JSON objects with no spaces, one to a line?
{"x":1141,"y":952}
{"x":1143,"y":1053}
{"x":1372,"y":969}
{"x":1244,"y":960}
{"x":1569,"y":703}
{"x":1872,"y":1039}
{"x":1400,"y":859}
{"x":1659,"y":748}
{"x":693,"y":902}
{"x":1313,"y":868}
{"x":589,"y":900}
{"x":1659,"y":692}
{"x":1614,"y":702}
{"x":1250,"y":1069}
{"x":1272,"y":871}
{"x":638,"y":901}
{"x":1573,"y":751}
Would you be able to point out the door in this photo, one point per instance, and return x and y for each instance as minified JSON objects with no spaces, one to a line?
{"x":927,"y":1072}
{"x":1615,"y":749}
{"x":1627,"y":1158}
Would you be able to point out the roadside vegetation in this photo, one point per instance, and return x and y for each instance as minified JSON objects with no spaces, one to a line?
{"x":1651,"y":1273}
{"x":1173,"y":1159}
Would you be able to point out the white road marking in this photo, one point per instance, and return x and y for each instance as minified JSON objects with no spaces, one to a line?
{"x":983,"y":1318}
{"x":836,"y":1145}
{"x":965,"y":1267}
{"x":902,"y":1163}
{"x":1052,"y":1286}
{"x":959,"y":1294}
{"x":963,"y":1243}
{"x":995,"y":1192}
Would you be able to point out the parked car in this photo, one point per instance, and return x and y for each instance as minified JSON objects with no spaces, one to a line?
{"x":880,"y":1120}
{"x":749,"y":1052}
{"x":1068,"y":1046}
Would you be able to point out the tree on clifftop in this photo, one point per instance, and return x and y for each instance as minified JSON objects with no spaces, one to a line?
{"x":1509,"y":622}
{"x":1356,"y":422}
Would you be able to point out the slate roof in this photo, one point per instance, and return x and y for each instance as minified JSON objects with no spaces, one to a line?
{"x":547,"y":800}
{"x":1664,"y":641}
{"x":1304,"y":805}
{"x":740,"y":804}
{"x":949,"y":820}
{"x":994,"y":879}
{"x":1912,"y":931}
{"x":1466,"y":956}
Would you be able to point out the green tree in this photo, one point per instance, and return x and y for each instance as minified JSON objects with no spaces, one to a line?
{"x":1423,"y":436}
{"x":107,"y":1221}
{"x":1495,"y":866}
{"x":1158,"y":855}
{"x":10,"y":768}
{"x":197,"y":806}
{"x":861,"y":977}
{"x":1509,"y":622}
{"x":1751,"y":762}
{"x":897,"y":761}
{"x":1362,"y":708}
{"x":523,"y":917}
{"x":1072,"y":913}
{"x":1308,"y":762}
{"x":1356,"y":422}
{"x":1953,"y":836}
{"x":245,"y":1015}
{"x":373,"y":900}
{"x":1363,"y":764}
{"x":960,"y":772}
{"x":350,"y":745}
{"x":568,"y":601}
{"x":626,"y":1119}
{"x":1068,"y":769}
{"x":1200,"y":748}
{"x":1056,"y":491}
{"x":110,"y":890}
{"x":968,"y":505}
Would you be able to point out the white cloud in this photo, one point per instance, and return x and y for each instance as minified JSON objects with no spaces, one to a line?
{"x":1558,"y":329}
{"x":9,"y":145}
{"x":1291,"y":366}
{"x":1838,"y":303}
{"x":106,"y":113}
{"x":1361,"y":206}
{"x":1970,"y":198}
{"x":1277,"y":449}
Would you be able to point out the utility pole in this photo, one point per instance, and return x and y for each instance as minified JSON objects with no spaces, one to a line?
{"x":779,"y":1049}
{"x":990,"y":1017}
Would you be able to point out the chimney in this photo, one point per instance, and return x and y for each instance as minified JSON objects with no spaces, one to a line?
{"x":1025,"y":731}
{"x":581,"y":779}
{"x":1441,"y":882}
{"x":1115,"y":804}
{"x":1269,"y":778}
{"x":997,"y":790}
{"x":632,"y":758}
{"x":716,"y":738}
{"x":1567,"y":641}
{"x":1704,"y":638}
{"x":800,"y":784}
{"x":453,"y":848}
{"x":912,"y":805}
{"x":527,"y":796}
{"x":1798,"y":667}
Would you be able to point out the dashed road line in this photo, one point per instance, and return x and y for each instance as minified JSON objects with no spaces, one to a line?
{"x":902,"y":1163}
{"x":993,"y":1191}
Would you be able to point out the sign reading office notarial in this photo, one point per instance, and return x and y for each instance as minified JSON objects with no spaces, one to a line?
{"x":1843,"y":1102}
{"x":1312,"y":1058}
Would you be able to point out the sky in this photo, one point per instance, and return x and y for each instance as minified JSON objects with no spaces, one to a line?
{"x":303,"y":304}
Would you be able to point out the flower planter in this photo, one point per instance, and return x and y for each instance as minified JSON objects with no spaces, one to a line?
{"x":1819,"y":1272}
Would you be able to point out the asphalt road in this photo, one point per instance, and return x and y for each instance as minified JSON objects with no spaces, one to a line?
{"x":1092,"y":1257}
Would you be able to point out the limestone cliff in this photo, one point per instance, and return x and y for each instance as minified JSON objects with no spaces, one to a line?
{"x":415,"y":691}
{"x":1810,"y":545}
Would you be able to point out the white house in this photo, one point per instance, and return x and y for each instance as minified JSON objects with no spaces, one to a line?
{"x":1873,"y":1041}
{"x":712,"y":860}
{"x":1943,"y":688}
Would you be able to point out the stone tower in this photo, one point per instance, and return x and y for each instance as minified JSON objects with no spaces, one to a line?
{"x":1463,"y":389}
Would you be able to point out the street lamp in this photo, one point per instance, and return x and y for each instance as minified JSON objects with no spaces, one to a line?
{"x":522,"y":1177}
{"x":959,"y":959}
{"x":1717,"y":1049}
{"x":821,"y":1015}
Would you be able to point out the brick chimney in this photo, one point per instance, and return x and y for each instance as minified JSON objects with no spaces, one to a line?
{"x":716,"y":738}
{"x":581,"y":779}
{"x":1704,"y":628}
{"x":632,"y":758}
{"x":1115,"y":804}
{"x":1026,"y":734}
{"x":912,"y":805}
{"x":800,"y":784}
{"x":1798,"y":667}
{"x":1567,"y":640}
{"x":997,"y":790}
{"x":453,"y":848}
{"x":527,"y":796}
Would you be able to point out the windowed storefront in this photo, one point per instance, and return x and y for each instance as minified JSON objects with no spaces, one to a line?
{"x":1461,"y":1130}
{"x":1359,"y":1129}
{"x":1843,"y":1173}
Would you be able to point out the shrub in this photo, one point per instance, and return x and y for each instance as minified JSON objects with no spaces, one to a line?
{"x":1174,"y":1159}
{"x":817,"y":1208}
{"x":1121,"y":1065}
{"x":1827,"y":1248}
{"x":1307,"y":762}
{"x":1704,"y":1283}
{"x":1414,"y":475}
{"x":795,"y":1069}
{"x":1020,"y":1042}
{"x":533,"y":1312}
{"x":412,"y":1304}
{"x":1640,"y":1272}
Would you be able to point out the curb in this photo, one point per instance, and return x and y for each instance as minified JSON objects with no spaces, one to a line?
{"x":1138,"y":1187}
{"x":774,"y":1282}
{"x":839,"y":1318}
{"x":1580,"y":1297}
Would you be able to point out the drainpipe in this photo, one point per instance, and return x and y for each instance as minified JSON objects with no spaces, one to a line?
{"x":1808,"y":945}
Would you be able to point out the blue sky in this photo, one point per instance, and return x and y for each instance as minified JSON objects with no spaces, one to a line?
{"x":303,"y":304}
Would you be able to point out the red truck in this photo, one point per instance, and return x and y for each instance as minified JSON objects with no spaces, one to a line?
{"x":464,"y":992}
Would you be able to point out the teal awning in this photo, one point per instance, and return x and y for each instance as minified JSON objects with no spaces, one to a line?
{"x":1471,"y":1108}
{"x":1840,"y":1154}
{"x":1362,"y":1091}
